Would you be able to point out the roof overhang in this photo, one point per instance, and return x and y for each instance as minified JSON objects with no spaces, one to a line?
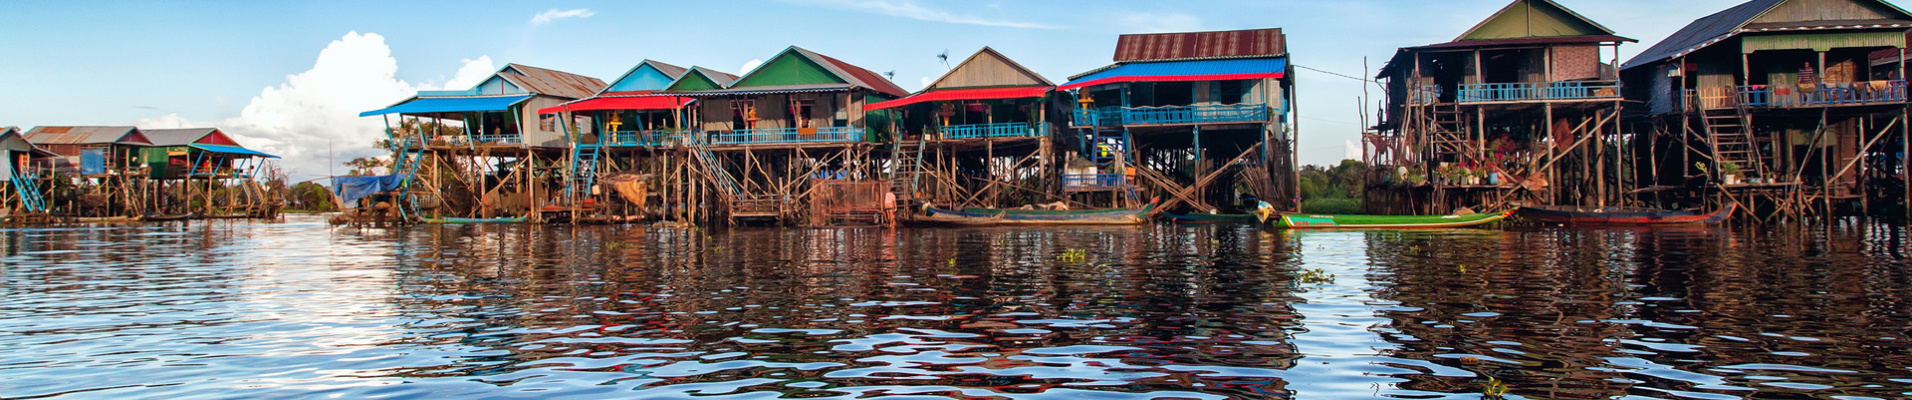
{"x":965,"y":94}
{"x":432,"y":105}
{"x":230,"y":150}
{"x":639,"y":103}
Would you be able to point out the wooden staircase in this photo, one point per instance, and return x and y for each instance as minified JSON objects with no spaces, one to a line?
{"x":1731,"y":135}
{"x":1447,"y":130}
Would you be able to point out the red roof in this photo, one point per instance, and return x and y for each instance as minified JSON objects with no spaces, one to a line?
{"x":871,"y":79}
{"x":1200,"y":45}
{"x":621,"y":103}
{"x":965,"y":94}
{"x":1169,"y":78}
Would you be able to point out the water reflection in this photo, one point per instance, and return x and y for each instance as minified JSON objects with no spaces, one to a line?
{"x":300,"y":310}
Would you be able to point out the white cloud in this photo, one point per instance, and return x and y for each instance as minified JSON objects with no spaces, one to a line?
{"x":555,"y":14}
{"x":927,"y":81}
{"x":1161,"y":22}
{"x":749,"y":65}
{"x":1350,"y":150}
{"x":316,"y":109}
{"x":909,"y":9}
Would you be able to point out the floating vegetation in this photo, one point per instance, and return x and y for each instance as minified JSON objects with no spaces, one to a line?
{"x":1493,"y":388}
{"x":1317,"y":277}
{"x":1073,"y":255}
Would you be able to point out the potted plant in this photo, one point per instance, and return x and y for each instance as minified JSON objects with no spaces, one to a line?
{"x":1729,"y":172}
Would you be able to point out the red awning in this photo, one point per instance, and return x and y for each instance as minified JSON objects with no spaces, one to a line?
{"x":621,"y":103}
{"x":964,"y":94}
{"x":1169,"y":78}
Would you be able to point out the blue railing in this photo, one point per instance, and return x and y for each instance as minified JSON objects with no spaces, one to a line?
{"x":1007,"y":129}
{"x":656,"y":137}
{"x":1824,"y":94}
{"x":1424,"y":94}
{"x":1531,"y":91}
{"x":497,"y":139}
{"x":1105,"y":116}
{"x":787,"y":135}
{"x":1202,"y":114}
{"x":1094,"y":181}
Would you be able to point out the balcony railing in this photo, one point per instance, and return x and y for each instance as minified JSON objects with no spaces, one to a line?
{"x":1173,"y":115}
{"x":512,"y":140}
{"x":656,"y":137}
{"x":1424,"y":94}
{"x":1537,"y":91}
{"x":1007,"y":129}
{"x":1794,"y":96}
{"x":1094,"y":181}
{"x":787,"y":135}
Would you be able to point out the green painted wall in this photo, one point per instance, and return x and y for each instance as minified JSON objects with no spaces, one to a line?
{"x":693,"y":81}
{"x":788,"y":68}
{"x":1525,"y":19}
{"x":1821,"y":41}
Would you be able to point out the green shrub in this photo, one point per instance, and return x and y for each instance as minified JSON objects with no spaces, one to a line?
{"x":1331,"y":206}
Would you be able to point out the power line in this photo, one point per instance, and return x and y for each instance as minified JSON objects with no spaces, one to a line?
{"x":1336,"y":74}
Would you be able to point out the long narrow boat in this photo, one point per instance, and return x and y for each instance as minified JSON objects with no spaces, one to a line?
{"x":1198,"y":218}
{"x":1321,"y":221}
{"x":1307,"y":221}
{"x":472,"y":220}
{"x":990,"y":216}
{"x":1623,"y":216}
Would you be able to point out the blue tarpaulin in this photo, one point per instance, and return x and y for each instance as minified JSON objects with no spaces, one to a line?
{"x":231,"y":150}
{"x":1250,"y":68}
{"x":92,"y":161}
{"x":425,"y":105}
{"x":352,"y":188}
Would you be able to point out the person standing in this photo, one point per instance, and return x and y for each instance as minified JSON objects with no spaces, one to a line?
{"x":889,"y":207}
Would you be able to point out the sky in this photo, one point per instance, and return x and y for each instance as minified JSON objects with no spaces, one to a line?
{"x":291,"y":77}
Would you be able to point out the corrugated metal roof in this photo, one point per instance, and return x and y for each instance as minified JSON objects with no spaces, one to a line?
{"x":177,"y":137}
{"x":987,"y":68}
{"x":231,"y":150}
{"x":12,"y":139}
{"x":810,"y":88}
{"x":720,"y":77}
{"x":854,"y":74}
{"x":1201,"y":45}
{"x":1183,"y":71}
{"x":672,"y":71}
{"x":551,"y":82}
{"x":991,"y":93}
{"x":429,"y":105}
{"x":1548,"y":3}
{"x":620,"y":103}
{"x":1720,"y":26}
{"x":85,"y":135}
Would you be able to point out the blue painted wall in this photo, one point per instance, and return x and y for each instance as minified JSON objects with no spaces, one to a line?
{"x":644,"y":77}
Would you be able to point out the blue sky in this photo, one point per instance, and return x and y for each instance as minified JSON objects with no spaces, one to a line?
{"x":291,"y":76}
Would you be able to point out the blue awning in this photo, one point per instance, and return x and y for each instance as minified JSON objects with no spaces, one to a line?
{"x":1182,"y":71}
{"x":426,"y":105}
{"x":230,"y":149}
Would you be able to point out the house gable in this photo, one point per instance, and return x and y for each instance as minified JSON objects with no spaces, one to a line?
{"x":789,"y":68}
{"x":646,"y":76}
{"x":988,"y":68}
{"x":1533,"y":18}
{"x":1793,"y":11}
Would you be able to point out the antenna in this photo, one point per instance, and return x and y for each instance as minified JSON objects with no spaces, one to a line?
{"x":945,"y":57}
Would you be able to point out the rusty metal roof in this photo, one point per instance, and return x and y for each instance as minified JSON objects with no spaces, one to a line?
{"x":176,"y":137}
{"x":43,"y":135}
{"x":1201,"y":45}
{"x":1730,"y":22}
{"x":550,"y":82}
{"x":722,"y":79}
{"x":855,"y":75}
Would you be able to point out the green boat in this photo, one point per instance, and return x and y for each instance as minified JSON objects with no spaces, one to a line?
{"x":1199,"y":218}
{"x":1314,"y":221}
{"x":473,"y":220}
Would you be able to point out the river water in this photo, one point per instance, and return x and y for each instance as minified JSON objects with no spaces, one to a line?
{"x":302,"y":310}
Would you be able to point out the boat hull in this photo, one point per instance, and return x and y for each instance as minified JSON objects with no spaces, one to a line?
{"x":993,"y":217}
{"x":473,"y":220}
{"x":1307,"y":221}
{"x":1212,"y":218}
{"x":1626,"y":217}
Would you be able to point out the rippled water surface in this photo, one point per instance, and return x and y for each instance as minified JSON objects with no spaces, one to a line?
{"x":299,"y":309}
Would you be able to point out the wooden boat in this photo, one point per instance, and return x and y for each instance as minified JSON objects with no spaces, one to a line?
{"x":473,"y":220}
{"x":1314,"y":221}
{"x":996,"y":217}
{"x":169,"y":217}
{"x":1310,"y":221}
{"x":107,"y":220}
{"x":1199,"y":218}
{"x":1623,"y":216}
